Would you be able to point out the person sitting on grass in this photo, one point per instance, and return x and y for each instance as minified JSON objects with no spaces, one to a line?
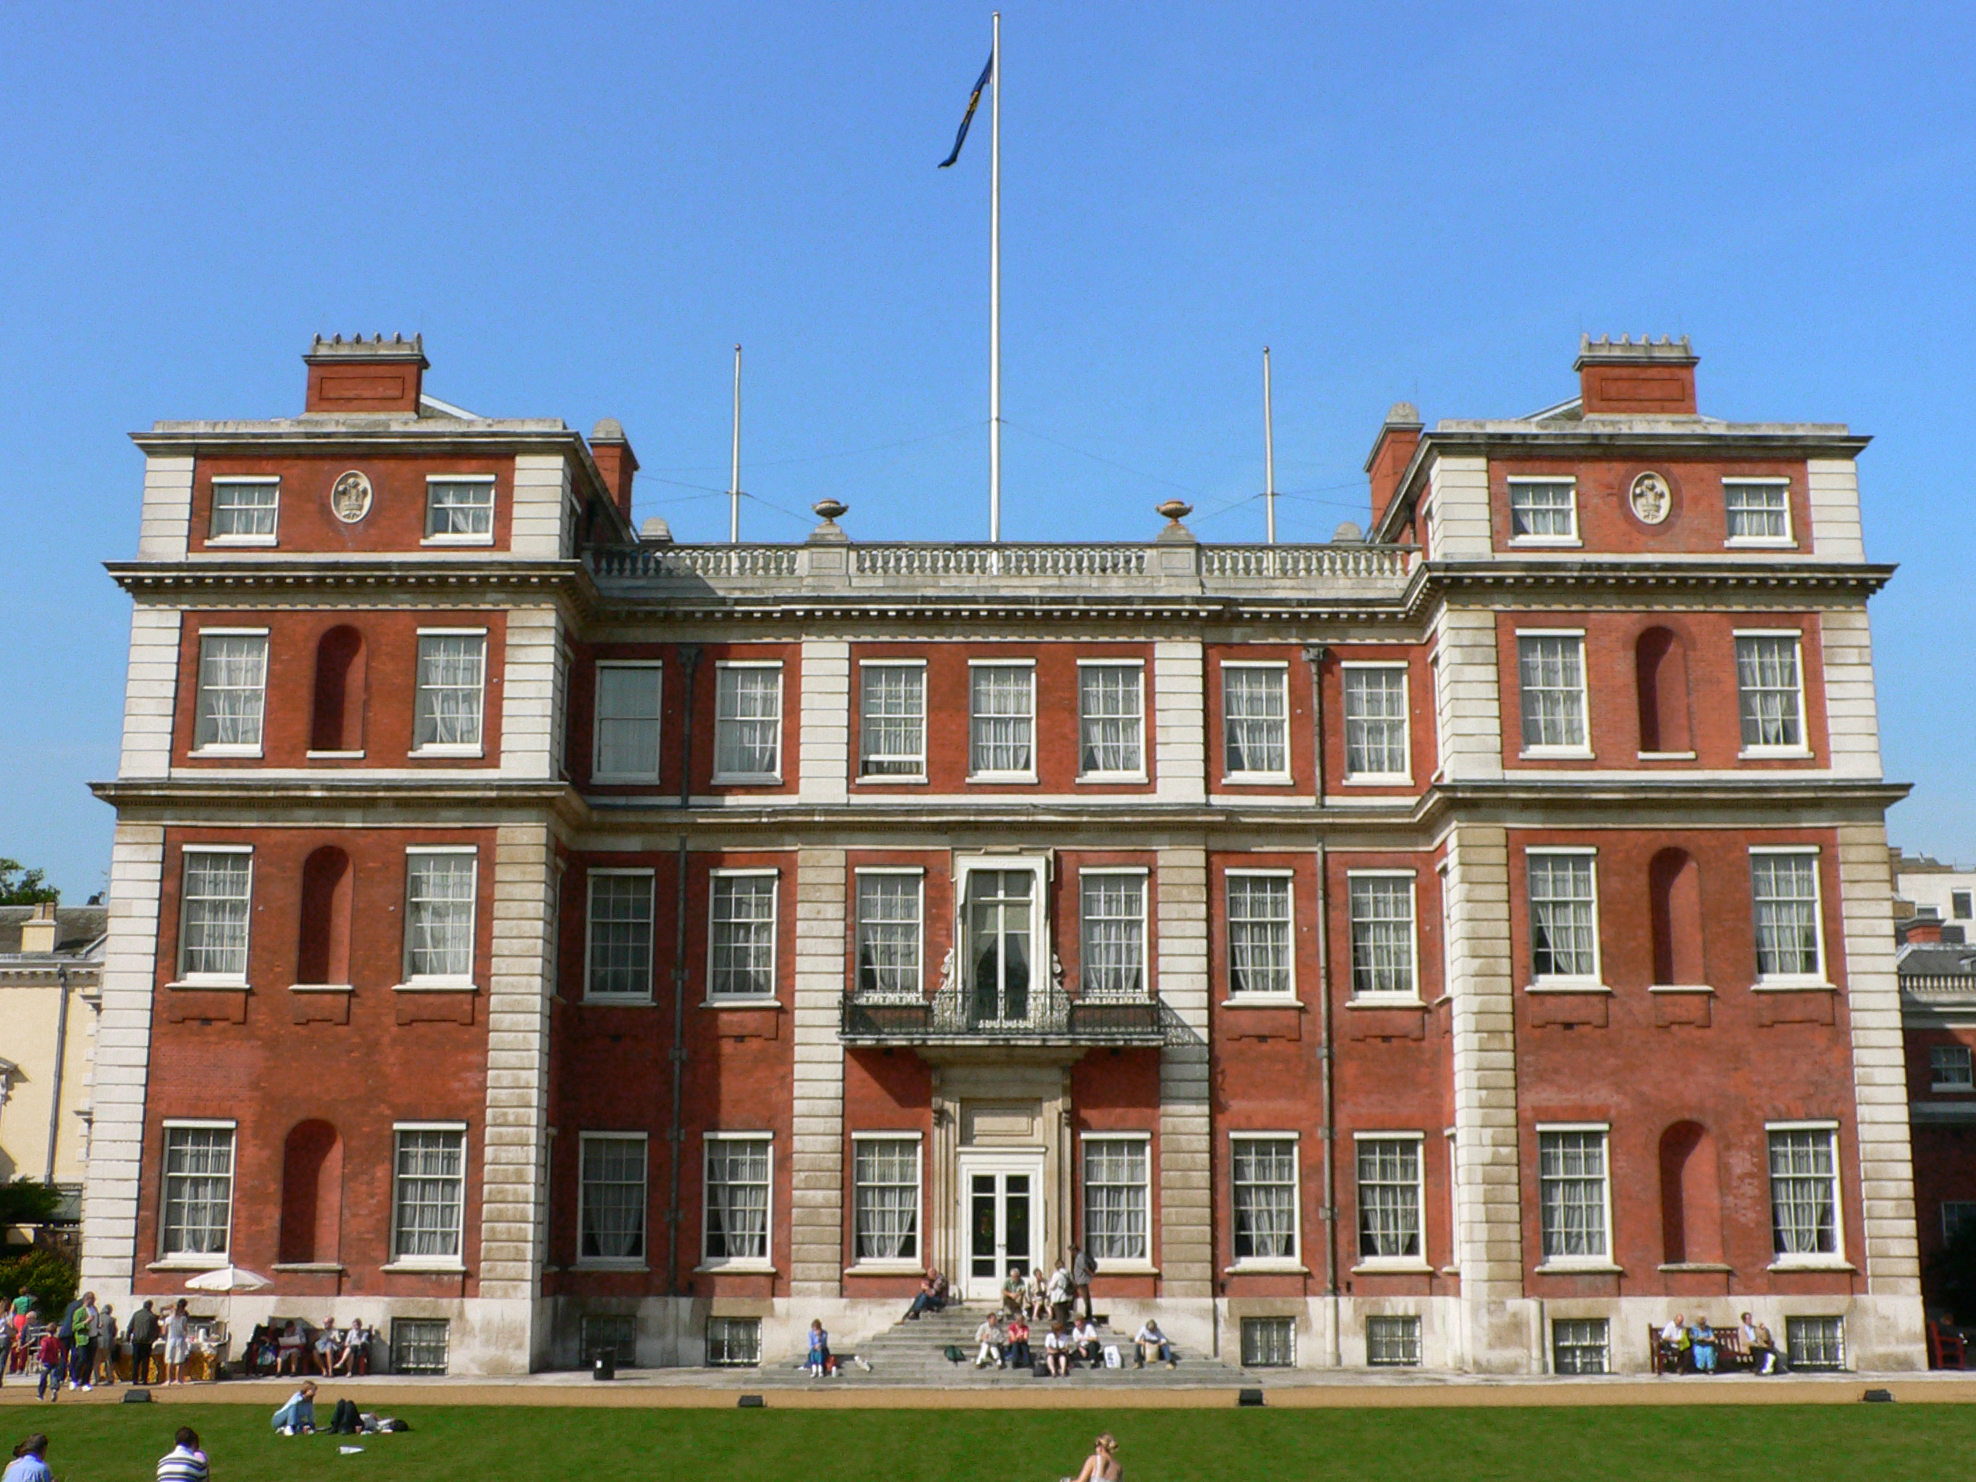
{"x":1102,"y":1464}
{"x":1056,"y":1351}
{"x":298,"y":1416}
{"x":1149,"y":1337}
{"x":1018,"y":1349}
{"x":1702,"y":1337}
{"x":185,"y":1462}
{"x":992,"y":1337}
{"x":30,"y":1463}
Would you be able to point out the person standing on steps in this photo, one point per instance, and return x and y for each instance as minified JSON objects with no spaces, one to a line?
{"x":1082,"y":1269}
{"x":1059,"y":1294}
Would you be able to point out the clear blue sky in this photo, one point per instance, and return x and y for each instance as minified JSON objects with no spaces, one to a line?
{"x":583,"y":207}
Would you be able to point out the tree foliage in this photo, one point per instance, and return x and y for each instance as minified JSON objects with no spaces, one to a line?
{"x":25,"y":1202}
{"x":50,"y":1278}
{"x":20,"y":886}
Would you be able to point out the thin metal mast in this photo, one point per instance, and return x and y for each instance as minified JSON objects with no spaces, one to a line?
{"x":995,"y":288}
{"x":734,"y":479}
{"x":1268,"y":450}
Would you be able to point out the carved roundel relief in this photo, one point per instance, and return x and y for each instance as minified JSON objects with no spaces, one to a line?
{"x":1651,"y":500}
{"x":350,"y":497}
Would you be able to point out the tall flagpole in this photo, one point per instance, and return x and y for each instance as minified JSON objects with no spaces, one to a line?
{"x":734,"y":479}
{"x":995,"y":290}
{"x":1268,"y":449}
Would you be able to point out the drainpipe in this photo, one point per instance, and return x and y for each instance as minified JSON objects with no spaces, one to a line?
{"x":61,"y":1050}
{"x":689,"y":657}
{"x":1326,"y":1054}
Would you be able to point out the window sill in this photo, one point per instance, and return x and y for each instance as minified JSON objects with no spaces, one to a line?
{"x":1001,"y":779}
{"x":1579,"y":1268}
{"x":1774,"y":753}
{"x":1680,"y":988}
{"x":601,"y":1265}
{"x":1546,"y":543}
{"x":1263,"y":1001}
{"x":1110,"y":779}
{"x":209,"y":985}
{"x":426,"y":1268}
{"x":1258,"y":779}
{"x":881,"y":779}
{"x":1567,"y":985}
{"x":1667,"y":756}
{"x":1379,"y":779}
{"x":1759,"y":543}
{"x":1793,"y":985}
{"x":1128,"y":1268}
{"x":1392,"y":1265}
{"x":764,"y":1001}
{"x":320,"y":988}
{"x":236,"y":542}
{"x":1556,"y":754}
{"x":1811,"y":1263}
{"x":447,"y":750}
{"x":886,"y":1268}
{"x":742,"y":1268}
{"x":1386,"y":1001}
{"x":188,"y":1263}
{"x":437,"y":985}
{"x":333,"y":756}
{"x":457,"y":540}
{"x":745,"y":779}
{"x":1289,"y":1267}
{"x":220,"y":749}
{"x":619,"y":1000}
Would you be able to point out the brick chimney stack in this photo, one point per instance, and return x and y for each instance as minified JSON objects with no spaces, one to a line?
{"x":1649,"y":378}
{"x":1925,"y":930}
{"x":1392,"y":451}
{"x":40,"y":931}
{"x":612,"y":453}
{"x":360,"y":375}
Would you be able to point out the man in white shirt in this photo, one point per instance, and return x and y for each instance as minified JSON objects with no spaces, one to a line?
{"x":1149,"y":1336}
{"x":1084,"y":1338}
{"x":991,"y":1338}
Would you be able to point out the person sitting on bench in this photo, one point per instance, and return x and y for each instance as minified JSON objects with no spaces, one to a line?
{"x":1674,"y":1342}
{"x":1702,"y":1337}
{"x":1761,"y":1347}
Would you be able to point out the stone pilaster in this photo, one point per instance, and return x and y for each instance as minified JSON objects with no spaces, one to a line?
{"x":529,"y":693}
{"x":1180,"y":721}
{"x":816,"y":1159}
{"x":1467,"y":694}
{"x":825,"y":733}
{"x":1186,"y":1183}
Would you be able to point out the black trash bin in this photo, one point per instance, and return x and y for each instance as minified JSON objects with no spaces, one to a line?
{"x":606,"y":1365}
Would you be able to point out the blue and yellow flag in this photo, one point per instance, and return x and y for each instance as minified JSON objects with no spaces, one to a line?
{"x":968,"y":117}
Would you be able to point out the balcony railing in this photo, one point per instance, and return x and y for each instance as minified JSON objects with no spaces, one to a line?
{"x":1048,"y":1016}
{"x":1926,"y":987}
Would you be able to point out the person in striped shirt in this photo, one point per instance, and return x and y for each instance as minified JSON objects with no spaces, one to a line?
{"x":185,"y":1462}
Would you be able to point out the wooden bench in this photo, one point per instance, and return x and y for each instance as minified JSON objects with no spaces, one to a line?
{"x":1944,"y":1346}
{"x":1730,"y":1354}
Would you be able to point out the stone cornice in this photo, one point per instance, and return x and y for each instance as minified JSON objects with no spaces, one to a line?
{"x":1752,"y":802}
{"x":1661,"y":579}
{"x":263,"y":580}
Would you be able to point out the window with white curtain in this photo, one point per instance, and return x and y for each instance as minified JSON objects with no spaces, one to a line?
{"x":737,"y":1198}
{"x":197,"y":1188}
{"x":741,"y":955}
{"x":233,"y":691}
{"x":1258,"y":935}
{"x":1001,"y":719}
{"x":214,"y":911}
{"x":627,"y":723}
{"x":1263,"y":1173}
{"x":1564,"y":915}
{"x":1543,"y":510}
{"x":1113,"y":941}
{"x":439,"y":910}
{"x":245,"y":511}
{"x":1551,"y":683}
{"x":452,"y":679}
{"x":1111,"y":719}
{"x":429,"y":1193}
{"x":1757,"y":513}
{"x":1382,"y":935}
{"x":1784,"y":902}
{"x":1118,"y":1198}
{"x":1804,"y":1192}
{"x":1255,"y":720}
{"x":1389,"y":1198}
{"x":1376,"y":721}
{"x":611,"y":1198}
{"x":1770,"y":692}
{"x":891,"y":719}
{"x":1573,"y":1193}
{"x":885,"y":1197}
{"x":747,"y":722}
{"x":460,"y":508}
{"x":889,"y":935}
{"x":620,"y":935}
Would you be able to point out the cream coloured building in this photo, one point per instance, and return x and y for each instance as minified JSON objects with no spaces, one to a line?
{"x":50,"y":982}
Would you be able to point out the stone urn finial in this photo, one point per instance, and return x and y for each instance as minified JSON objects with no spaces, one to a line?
{"x":1175,"y":511}
{"x":830,"y":510}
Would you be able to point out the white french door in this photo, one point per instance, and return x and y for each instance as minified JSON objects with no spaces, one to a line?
{"x":1002,"y":1219}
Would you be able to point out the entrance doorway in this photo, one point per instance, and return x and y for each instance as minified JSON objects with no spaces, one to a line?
{"x":1002,"y":1219}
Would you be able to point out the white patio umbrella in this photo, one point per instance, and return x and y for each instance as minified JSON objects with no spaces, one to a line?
{"x":227,"y":1280}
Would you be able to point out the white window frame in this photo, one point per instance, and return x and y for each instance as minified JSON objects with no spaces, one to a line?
{"x":1138,"y":774}
{"x":1392,"y":1263}
{"x":1294,"y":1261}
{"x":728,"y":1000}
{"x":477,"y":747}
{"x":1144,"y":876}
{"x":597,"y":772}
{"x":1042,"y":947}
{"x":1788,"y":540}
{"x":440,"y":980}
{"x":1413,"y":922}
{"x":1235,"y":996}
{"x":200,"y":1260}
{"x":229,"y":748}
{"x":1962,"y":1087}
{"x":273,"y":537}
{"x":1229,"y":776}
{"x":917,"y":874}
{"x":1542,"y":750}
{"x":649,"y":876}
{"x":914,"y":1264}
{"x":1817,"y":977}
{"x":1019,"y":775}
{"x":613,"y":1263}
{"x":215,"y":980}
{"x":1796,"y":637}
{"x":766,"y":1261}
{"x":1603,"y":1261}
{"x":1378,"y":779}
{"x":1120,"y":1265}
{"x":1596,"y":978}
{"x":918,"y":774}
{"x":1835,"y":1259}
{"x":474,"y":538}
{"x":751,"y":779}
{"x":1962,"y":905}
{"x":456,"y":1261}
{"x":1554,"y":542}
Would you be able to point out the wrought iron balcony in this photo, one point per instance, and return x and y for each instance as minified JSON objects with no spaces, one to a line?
{"x":1046,"y":1014}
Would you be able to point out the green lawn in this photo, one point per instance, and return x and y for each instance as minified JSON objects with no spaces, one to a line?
{"x":1857,"y":1443}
